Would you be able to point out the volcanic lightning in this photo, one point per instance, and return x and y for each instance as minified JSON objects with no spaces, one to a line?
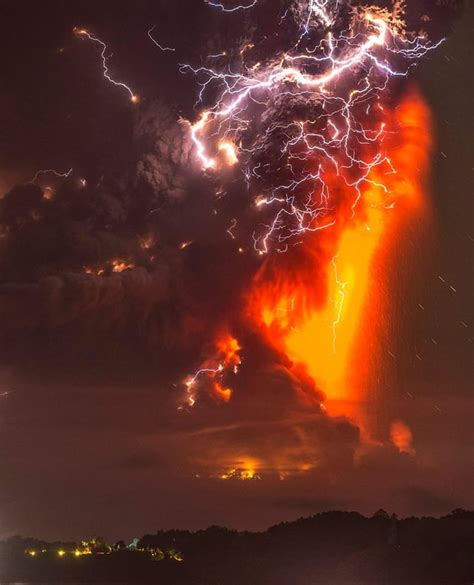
{"x":155,"y":42}
{"x":353,"y":71}
{"x":85,"y":34}
{"x":224,"y":8}
{"x":57,"y":174}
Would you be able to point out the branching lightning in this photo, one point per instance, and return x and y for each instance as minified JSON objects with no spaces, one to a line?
{"x":345,"y":75}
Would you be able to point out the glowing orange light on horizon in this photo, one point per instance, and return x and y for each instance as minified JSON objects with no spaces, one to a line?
{"x":245,"y":470}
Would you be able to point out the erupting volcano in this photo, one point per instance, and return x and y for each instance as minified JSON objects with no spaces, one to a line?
{"x":335,"y":152}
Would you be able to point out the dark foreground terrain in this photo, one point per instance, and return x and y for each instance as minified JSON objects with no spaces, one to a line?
{"x":334,"y":548}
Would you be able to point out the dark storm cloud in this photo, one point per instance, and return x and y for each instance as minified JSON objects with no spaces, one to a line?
{"x":60,"y":293}
{"x":63,"y":249}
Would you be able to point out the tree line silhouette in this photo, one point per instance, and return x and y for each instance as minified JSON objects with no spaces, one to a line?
{"x":332,"y":548}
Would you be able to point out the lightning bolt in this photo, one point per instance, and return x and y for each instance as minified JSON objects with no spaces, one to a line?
{"x":82,"y":33}
{"x":234,"y":8}
{"x":161,"y":47}
{"x":52,"y":172}
{"x":339,"y":303}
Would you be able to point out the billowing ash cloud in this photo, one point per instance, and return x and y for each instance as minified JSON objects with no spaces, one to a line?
{"x":165,"y":153}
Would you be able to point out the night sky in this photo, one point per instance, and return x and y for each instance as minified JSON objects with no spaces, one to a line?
{"x":91,"y":437}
